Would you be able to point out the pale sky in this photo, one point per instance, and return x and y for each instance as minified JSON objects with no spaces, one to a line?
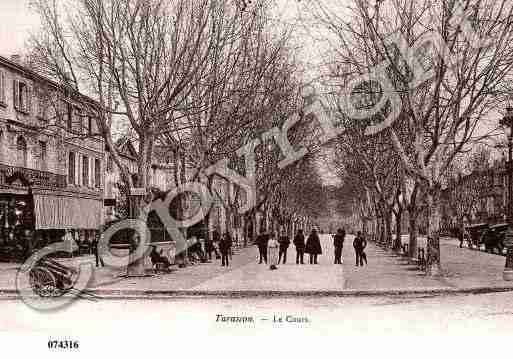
{"x":16,"y":22}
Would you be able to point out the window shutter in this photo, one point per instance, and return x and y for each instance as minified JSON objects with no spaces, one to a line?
{"x":40,"y":112}
{"x":2,"y":87}
{"x":91,"y":172}
{"x":29,"y":99}
{"x":16,"y":94}
{"x":79,"y":170}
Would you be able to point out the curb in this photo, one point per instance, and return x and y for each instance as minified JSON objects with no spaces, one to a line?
{"x":12,"y":294}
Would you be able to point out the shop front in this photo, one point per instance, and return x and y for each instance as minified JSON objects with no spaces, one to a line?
{"x":16,"y":221}
{"x":35,"y":213}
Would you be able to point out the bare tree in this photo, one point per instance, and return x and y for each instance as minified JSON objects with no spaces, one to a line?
{"x":441,"y":106}
{"x":250,"y":87}
{"x":140,"y":59}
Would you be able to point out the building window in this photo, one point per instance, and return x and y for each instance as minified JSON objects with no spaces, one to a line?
{"x":61,"y":110}
{"x":21,"y":147}
{"x":89,"y":125}
{"x":110,"y":163}
{"x":97,"y":173}
{"x":1,"y":145}
{"x":85,"y":171}
{"x":69,"y":117}
{"x":41,"y":107}
{"x":71,"y":168}
{"x":42,"y":155}
{"x":78,"y":121}
{"x":22,"y":96}
{"x":2,"y":88}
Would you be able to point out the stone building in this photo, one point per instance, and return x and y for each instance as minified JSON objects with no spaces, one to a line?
{"x":51,"y":160}
{"x":160,"y":178}
{"x":482,"y":195}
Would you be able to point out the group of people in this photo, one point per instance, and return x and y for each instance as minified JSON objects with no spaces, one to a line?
{"x":221,"y":246}
{"x":275,"y":249}
{"x":359,"y":244}
{"x":271,"y":249}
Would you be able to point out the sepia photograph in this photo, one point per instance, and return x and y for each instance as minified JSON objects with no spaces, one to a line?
{"x":253,"y":178}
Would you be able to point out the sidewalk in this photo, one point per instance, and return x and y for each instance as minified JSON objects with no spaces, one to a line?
{"x":387,"y":273}
{"x":468,"y":268}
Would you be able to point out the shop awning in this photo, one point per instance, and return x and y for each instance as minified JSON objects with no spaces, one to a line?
{"x":60,"y":212}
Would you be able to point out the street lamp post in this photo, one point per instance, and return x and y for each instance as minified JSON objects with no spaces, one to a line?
{"x":507,"y":122}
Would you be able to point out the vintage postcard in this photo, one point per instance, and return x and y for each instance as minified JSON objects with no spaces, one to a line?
{"x":294,"y":176}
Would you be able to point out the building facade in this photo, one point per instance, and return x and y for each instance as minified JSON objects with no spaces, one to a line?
{"x":160,"y":178}
{"x":478,"y":197}
{"x":51,"y":161}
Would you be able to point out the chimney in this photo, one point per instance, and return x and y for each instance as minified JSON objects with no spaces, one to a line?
{"x":16,"y":59}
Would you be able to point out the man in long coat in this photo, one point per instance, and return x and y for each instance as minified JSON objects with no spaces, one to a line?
{"x":284,"y":242}
{"x":225,"y":246}
{"x":359,"y":245}
{"x":299,"y":242}
{"x":338,"y":243}
{"x":261,"y":242}
{"x":313,"y":246}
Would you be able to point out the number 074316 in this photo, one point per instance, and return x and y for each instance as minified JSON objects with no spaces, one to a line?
{"x":63,"y":344}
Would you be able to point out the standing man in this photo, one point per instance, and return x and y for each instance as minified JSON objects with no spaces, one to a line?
{"x":229,"y":239}
{"x":338,"y":242}
{"x":261,"y":242}
{"x":299,"y":242}
{"x":216,"y":237}
{"x":94,"y":245}
{"x":225,"y":248}
{"x":359,"y":245}
{"x":284,"y":245}
{"x":459,"y":234}
{"x":209,"y":247}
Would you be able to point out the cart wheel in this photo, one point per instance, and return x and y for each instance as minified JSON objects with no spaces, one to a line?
{"x":43,"y":282}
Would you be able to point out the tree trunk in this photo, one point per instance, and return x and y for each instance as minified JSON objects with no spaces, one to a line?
{"x":382,"y":229}
{"x":136,"y":266}
{"x":461,"y":227}
{"x":206,"y":220}
{"x":433,"y":266}
{"x":365,"y":227}
{"x":245,"y":226}
{"x":388,"y":228}
{"x":398,"y":242}
{"x":413,"y":231}
{"x":229,"y":219}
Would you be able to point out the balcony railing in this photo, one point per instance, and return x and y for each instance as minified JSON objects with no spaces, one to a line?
{"x":24,"y":177}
